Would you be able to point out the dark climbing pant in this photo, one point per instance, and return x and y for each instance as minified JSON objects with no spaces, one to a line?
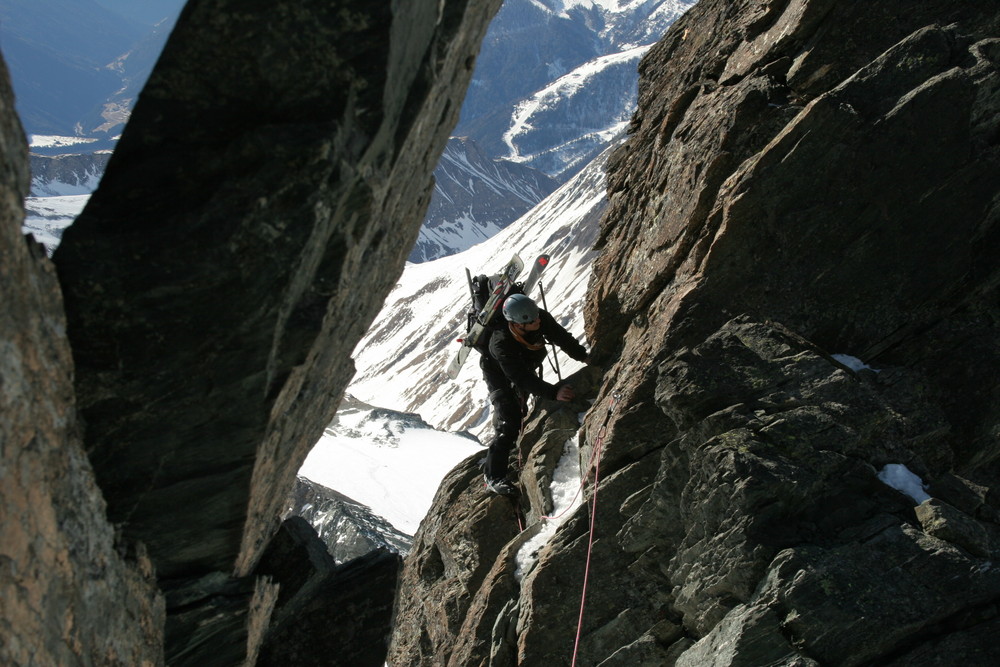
{"x":508,"y":413}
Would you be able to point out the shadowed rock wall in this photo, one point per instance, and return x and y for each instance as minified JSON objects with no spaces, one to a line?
{"x":258,"y":207}
{"x":328,"y":615}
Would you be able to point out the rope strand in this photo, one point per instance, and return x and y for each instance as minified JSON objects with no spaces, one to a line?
{"x":555,"y":361}
{"x":596,"y":460}
{"x":583,"y":481}
{"x":598,"y":445}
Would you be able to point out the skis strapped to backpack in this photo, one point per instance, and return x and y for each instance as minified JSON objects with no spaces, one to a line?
{"x":502,"y":286}
{"x":488,"y":295}
{"x":535,"y":274}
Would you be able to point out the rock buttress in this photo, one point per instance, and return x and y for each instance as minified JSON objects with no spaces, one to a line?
{"x":258,"y":208}
{"x":806,"y":177}
{"x":459,"y":602}
{"x":802,"y":177}
{"x":781,"y":165}
{"x":70,"y":593}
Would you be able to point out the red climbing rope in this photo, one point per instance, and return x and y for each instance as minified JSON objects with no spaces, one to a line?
{"x":593,"y":455}
{"x":596,"y":460}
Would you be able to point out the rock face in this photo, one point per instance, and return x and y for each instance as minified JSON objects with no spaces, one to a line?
{"x":803,"y":177}
{"x":458,"y":597}
{"x":68,"y":595}
{"x":327,"y":614}
{"x":258,"y":208}
{"x":791,"y":182}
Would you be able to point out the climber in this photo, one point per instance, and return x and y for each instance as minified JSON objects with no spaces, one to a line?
{"x":515,"y":352}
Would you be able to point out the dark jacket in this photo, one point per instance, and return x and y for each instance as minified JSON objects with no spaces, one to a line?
{"x":518,"y":362}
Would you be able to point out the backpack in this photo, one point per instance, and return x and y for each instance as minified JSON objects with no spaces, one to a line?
{"x":482,"y":286}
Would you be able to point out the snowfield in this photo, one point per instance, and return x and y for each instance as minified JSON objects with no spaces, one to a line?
{"x":52,"y":141}
{"x":392,"y":465}
{"x":47,"y":217}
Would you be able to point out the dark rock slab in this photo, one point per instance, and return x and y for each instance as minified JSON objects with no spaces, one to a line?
{"x":748,"y":636}
{"x":327,"y":614}
{"x":974,"y":643}
{"x":295,"y":558}
{"x":259,"y":206}
{"x":217,"y":620}
{"x":861,"y":602}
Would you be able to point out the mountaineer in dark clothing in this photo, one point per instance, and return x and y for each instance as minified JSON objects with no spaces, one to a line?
{"x":515,"y":352}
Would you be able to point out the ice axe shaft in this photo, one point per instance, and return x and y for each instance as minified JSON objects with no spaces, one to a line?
{"x":555,"y":357}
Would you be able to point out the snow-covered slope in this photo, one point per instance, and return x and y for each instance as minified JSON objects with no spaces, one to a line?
{"x":47,"y":217}
{"x":385,"y":460}
{"x":568,"y":122}
{"x":475,"y":197}
{"x":401,"y":361}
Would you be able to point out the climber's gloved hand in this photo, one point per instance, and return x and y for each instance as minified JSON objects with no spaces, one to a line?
{"x":565,"y":393}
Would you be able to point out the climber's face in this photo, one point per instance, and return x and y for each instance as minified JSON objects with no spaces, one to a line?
{"x":530,"y":326}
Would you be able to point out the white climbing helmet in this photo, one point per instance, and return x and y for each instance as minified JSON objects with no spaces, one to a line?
{"x":519,"y":308}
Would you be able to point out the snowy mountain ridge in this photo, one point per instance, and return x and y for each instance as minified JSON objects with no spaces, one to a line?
{"x":538,"y":133}
{"x":626,"y":23}
{"x":475,"y":196}
{"x":556,"y":79}
{"x":68,"y":174}
{"x":348,"y":528}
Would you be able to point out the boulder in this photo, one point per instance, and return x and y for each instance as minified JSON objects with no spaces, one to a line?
{"x":941,"y":520}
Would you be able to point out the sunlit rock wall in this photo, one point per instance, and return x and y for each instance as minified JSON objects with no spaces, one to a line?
{"x":70,"y":594}
{"x":803,"y":178}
